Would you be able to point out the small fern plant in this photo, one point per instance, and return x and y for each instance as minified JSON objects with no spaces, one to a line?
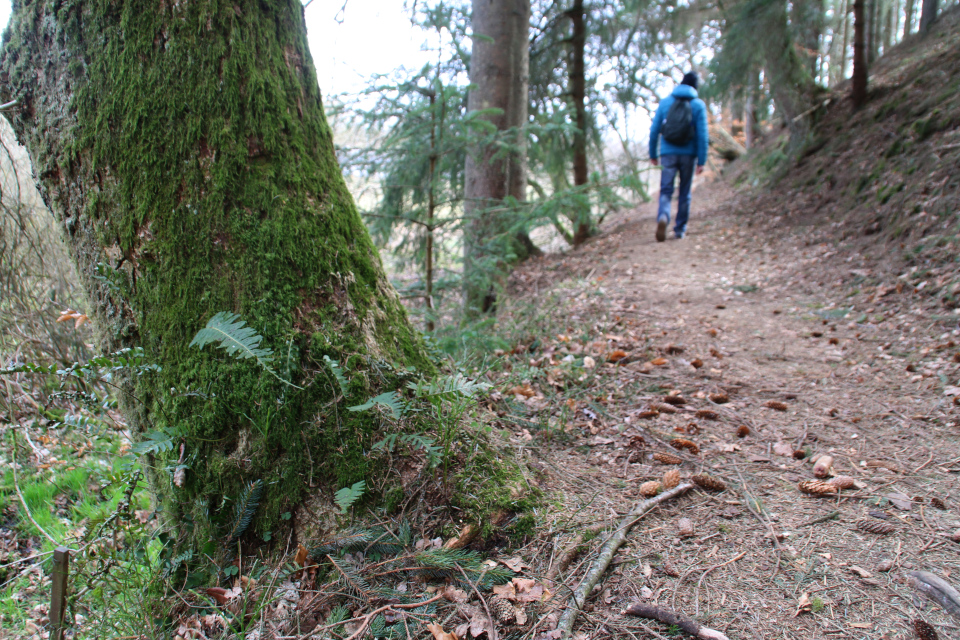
{"x":240,"y":341}
{"x":349,"y":495}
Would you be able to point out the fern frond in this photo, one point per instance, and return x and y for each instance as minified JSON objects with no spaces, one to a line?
{"x":246,"y":506}
{"x":237,"y":339}
{"x":348,"y":495}
{"x":376,"y":540}
{"x":338,"y":374}
{"x":391,"y":400}
{"x":448,"y":387}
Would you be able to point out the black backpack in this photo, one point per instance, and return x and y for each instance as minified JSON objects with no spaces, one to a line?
{"x":678,"y":126}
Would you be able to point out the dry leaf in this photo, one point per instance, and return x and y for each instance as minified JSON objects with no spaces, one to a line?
{"x":803,"y":604}
{"x":453,"y":594}
{"x":524,"y":390}
{"x":783,"y":449}
{"x":439,"y":633}
{"x":301,"y":557}
{"x":659,"y":362}
{"x":616,"y":356}
{"x":515,"y":564}
{"x":589,"y":363}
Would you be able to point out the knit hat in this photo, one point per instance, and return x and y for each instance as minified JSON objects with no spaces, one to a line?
{"x":691,"y":79}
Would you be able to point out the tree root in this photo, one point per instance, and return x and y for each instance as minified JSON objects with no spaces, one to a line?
{"x":609,"y":549}
{"x":669,"y":616}
{"x":937,"y":589}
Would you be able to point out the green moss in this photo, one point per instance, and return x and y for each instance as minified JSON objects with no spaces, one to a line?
{"x":201,"y":135}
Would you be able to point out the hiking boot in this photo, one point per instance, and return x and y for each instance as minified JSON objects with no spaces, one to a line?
{"x":661,"y":230}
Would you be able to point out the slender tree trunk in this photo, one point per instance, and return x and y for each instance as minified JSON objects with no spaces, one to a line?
{"x":928,"y":14}
{"x":431,"y":209}
{"x":809,"y":17}
{"x":184,"y":149}
{"x":499,"y":67}
{"x":908,"y":17}
{"x":872,"y":31}
{"x":858,"y":90}
{"x":748,"y":119}
{"x":888,"y":26}
{"x":846,"y":40}
{"x":578,"y":94}
{"x":896,"y":22}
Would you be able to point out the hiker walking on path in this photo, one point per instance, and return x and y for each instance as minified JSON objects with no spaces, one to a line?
{"x":681,"y":120}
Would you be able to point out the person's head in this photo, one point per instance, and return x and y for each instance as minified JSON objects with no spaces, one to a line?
{"x":691,"y":79}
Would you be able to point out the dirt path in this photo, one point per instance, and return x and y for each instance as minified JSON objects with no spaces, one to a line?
{"x":863,"y":377}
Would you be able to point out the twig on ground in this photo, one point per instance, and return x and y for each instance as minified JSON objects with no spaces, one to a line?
{"x":493,"y":629}
{"x":366,"y":618}
{"x":937,"y":589}
{"x":833,"y":515}
{"x":609,"y":549}
{"x":23,"y":501}
{"x":668,"y":616}
{"x":704,"y":575}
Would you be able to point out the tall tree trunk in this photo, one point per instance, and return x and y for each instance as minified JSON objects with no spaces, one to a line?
{"x":858,"y":89}
{"x":846,"y":40}
{"x":887,"y":25}
{"x":578,"y":94}
{"x":499,"y":70}
{"x":748,"y":119}
{"x":928,"y":14}
{"x":872,"y":31}
{"x":791,"y":84}
{"x":184,"y":150}
{"x":908,"y":17}
{"x":808,"y":15}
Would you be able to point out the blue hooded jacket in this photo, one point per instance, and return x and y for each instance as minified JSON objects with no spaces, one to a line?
{"x":697,"y":146}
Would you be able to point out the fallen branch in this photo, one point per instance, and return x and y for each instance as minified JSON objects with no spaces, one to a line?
{"x":937,"y":589}
{"x":570,"y":552}
{"x":609,"y":549}
{"x":669,"y":616}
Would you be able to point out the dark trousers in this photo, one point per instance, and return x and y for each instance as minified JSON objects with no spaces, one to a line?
{"x":671,"y":165}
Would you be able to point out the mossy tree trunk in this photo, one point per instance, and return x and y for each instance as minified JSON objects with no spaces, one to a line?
{"x":184,"y":149}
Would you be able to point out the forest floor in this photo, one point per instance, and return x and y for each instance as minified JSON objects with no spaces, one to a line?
{"x":764,"y":331}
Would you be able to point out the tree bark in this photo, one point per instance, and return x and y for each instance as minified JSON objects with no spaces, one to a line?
{"x":578,"y":94}
{"x":808,"y":15}
{"x":928,"y":14}
{"x":908,"y":17}
{"x":858,"y":89}
{"x":184,"y":150}
{"x":499,"y":71}
{"x":846,"y":41}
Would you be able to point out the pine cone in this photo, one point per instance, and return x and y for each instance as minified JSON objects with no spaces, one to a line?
{"x":637,"y":443}
{"x":673,"y":349}
{"x":924,"y":631}
{"x":776,"y":404}
{"x":696,"y":363}
{"x":675,"y":400}
{"x":667,"y":458}
{"x":719,"y":398}
{"x":663,"y":407}
{"x":709,"y":482}
{"x":671,"y":479}
{"x":651,"y":488}
{"x":875,"y":526}
{"x":647,"y":415}
{"x":938,"y":503}
{"x":817,"y":488}
{"x":683,"y":443}
{"x":503,"y":610}
{"x":842,"y":482}
{"x":707,"y":414}
{"x":743,"y":431}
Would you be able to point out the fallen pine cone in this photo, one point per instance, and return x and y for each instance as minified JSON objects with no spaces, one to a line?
{"x":875,"y":526}
{"x":685,"y":528}
{"x":842,"y":482}
{"x":667,"y":458}
{"x":662,"y":407}
{"x":817,"y":488}
{"x":503,"y":610}
{"x":799,"y":454}
{"x":648,"y":415}
{"x":673,"y":349}
{"x":675,"y":400}
{"x":696,"y":363}
{"x":822,"y":467}
{"x":924,"y":631}
{"x":743,"y":431}
{"x":651,"y":488}
{"x":683,"y":443}
{"x":671,"y":478}
{"x":882,"y":464}
{"x":716,"y":354}
{"x":938,"y":503}
{"x":719,"y":398}
{"x":775,"y":404}
{"x":707,"y":414}
{"x":706,"y":481}
{"x":637,"y":442}
{"x":692,"y":428}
